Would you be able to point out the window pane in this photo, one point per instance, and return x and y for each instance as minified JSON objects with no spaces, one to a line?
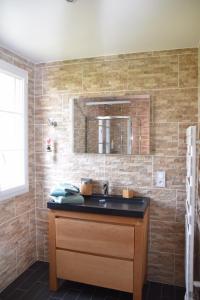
{"x":13,"y":136}
{"x":11,"y":93}
{"x":12,"y":169}
{"x":19,"y":96}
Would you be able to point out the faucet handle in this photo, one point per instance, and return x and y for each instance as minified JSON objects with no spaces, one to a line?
{"x":105,"y":188}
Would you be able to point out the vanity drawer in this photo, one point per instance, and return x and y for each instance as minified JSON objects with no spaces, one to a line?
{"x":95,"y":237}
{"x":96,"y":270}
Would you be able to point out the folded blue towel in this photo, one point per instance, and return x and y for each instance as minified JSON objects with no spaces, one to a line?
{"x":73,"y":199}
{"x":59,"y":192}
{"x":64,"y":189}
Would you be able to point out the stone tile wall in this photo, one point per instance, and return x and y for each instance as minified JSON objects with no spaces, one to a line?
{"x":17,"y":215}
{"x":170,"y":78}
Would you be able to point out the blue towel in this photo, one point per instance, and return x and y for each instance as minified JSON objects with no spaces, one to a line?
{"x":73,"y":199}
{"x":64,"y":190}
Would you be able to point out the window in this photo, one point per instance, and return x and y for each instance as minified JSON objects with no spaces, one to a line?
{"x":13,"y":131}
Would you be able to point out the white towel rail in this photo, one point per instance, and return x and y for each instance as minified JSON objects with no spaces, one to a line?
{"x":190,"y":212}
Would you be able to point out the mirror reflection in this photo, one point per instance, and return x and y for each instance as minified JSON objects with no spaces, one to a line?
{"x":108,"y":125}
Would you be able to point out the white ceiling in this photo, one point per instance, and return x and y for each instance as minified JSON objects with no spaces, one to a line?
{"x":49,"y":30}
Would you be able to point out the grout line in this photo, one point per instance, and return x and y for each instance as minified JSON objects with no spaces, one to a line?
{"x":9,"y":221}
{"x":176,"y":205}
{"x":178,"y":83}
{"x":36,"y":243}
{"x":42,"y":75}
{"x":128,"y":65}
{"x":174,"y":277}
{"x":82,"y":77}
{"x":148,"y":156}
{"x":128,"y":91}
{"x":114,"y":58}
{"x":152,"y":182}
{"x":178,"y":142}
{"x":16,"y":260}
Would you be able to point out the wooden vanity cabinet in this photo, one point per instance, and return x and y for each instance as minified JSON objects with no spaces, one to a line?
{"x":102,"y":250}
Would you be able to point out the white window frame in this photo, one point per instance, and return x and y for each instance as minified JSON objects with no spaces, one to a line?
{"x":21,"y":73}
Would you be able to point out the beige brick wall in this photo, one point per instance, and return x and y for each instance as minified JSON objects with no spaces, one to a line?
{"x":170,"y":77}
{"x":17,"y":215}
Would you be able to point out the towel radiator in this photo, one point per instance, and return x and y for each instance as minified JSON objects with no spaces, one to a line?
{"x":191,"y":162}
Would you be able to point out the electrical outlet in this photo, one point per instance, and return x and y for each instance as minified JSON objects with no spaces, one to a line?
{"x":160,"y":179}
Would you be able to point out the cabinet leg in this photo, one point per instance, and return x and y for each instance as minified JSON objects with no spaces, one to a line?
{"x":138,"y":263}
{"x":137,"y":295}
{"x":53,"y":282}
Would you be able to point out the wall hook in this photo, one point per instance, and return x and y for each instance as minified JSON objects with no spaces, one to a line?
{"x":52,"y":122}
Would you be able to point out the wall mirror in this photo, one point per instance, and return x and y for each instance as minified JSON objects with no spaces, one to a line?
{"x":111,"y":125}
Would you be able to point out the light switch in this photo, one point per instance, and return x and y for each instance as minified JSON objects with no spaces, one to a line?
{"x":160,"y":179}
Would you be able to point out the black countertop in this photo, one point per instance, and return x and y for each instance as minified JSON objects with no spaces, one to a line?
{"x":111,"y":205}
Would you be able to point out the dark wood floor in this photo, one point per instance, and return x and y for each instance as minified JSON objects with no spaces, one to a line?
{"x":33,"y":285}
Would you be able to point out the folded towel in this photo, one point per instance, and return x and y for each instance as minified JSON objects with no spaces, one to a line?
{"x":73,"y":199}
{"x":64,"y":189}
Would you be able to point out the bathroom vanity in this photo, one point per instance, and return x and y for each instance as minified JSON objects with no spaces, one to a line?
{"x":103,"y":243}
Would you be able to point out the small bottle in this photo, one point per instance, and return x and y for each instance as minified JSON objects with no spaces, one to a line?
{"x":49,"y":145}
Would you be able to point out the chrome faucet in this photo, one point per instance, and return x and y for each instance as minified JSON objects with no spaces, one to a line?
{"x":105,"y":188}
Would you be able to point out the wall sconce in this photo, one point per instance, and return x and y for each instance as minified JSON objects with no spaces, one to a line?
{"x":52,"y":122}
